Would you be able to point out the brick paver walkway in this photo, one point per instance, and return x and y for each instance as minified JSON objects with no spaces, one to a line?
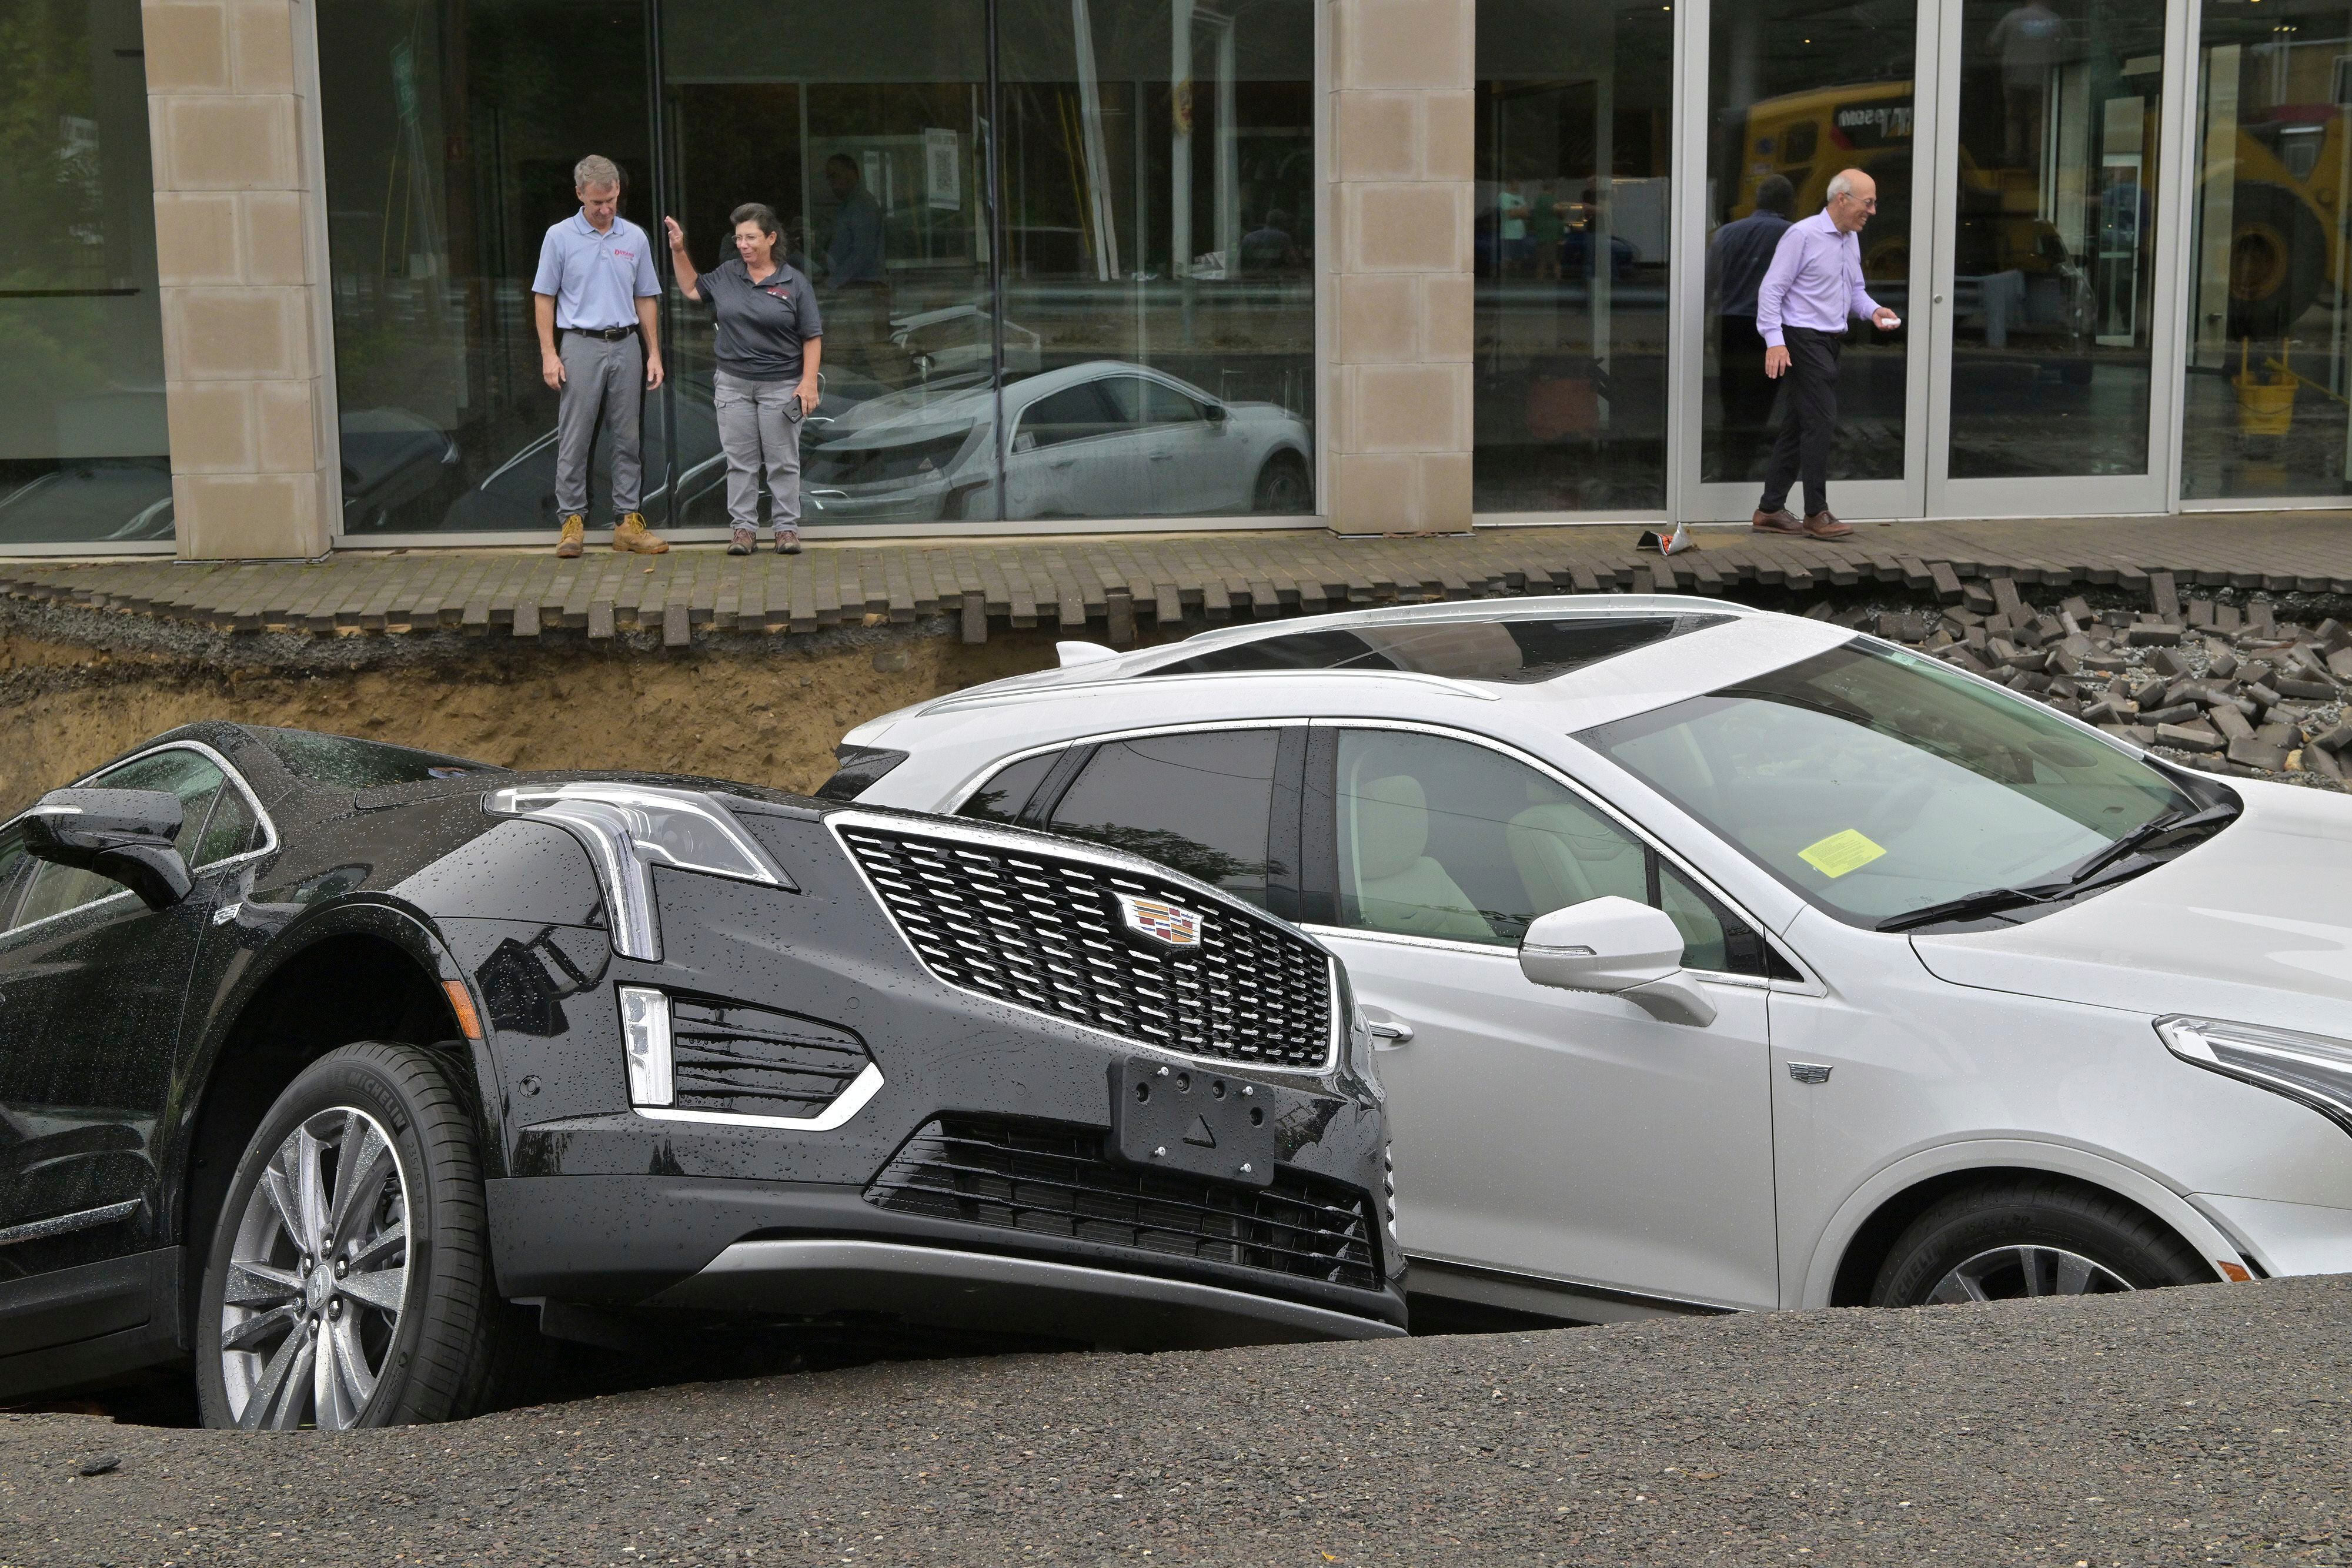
{"x":1109,"y":581}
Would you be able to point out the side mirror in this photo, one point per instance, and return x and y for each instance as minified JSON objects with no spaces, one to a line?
{"x":1619,"y":946}
{"x":123,"y":835}
{"x":1216,"y":410}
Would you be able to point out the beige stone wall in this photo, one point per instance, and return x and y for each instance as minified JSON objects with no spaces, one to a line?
{"x":1396,"y":383}
{"x":254,"y":466}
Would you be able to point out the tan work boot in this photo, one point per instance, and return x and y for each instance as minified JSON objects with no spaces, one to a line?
{"x":575,"y":536}
{"x":631,"y":536}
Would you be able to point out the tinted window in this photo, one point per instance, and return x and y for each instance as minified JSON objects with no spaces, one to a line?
{"x":1001,"y":798}
{"x":1070,"y":414}
{"x":1512,"y":652}
{"x":1441,"y":838}
{"x":339,"y":761}
{"x":1163,"y":404}
{"x":14,"y":866}
{"x":1201,"y":803}
{"x":187,"y":774}
{"x":231,"y":830}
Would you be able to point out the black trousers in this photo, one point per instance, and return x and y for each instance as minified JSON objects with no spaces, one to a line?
{"x":1804,"y":448}
{"x":1747,"y":392}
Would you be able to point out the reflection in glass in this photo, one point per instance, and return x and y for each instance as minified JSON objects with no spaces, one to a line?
{"x":2053,"y":257}
{"x":1159,"y":235}
{"x":2270,"y":302}
{"x":864,"y":126}
{"x":451,"y":128}
{"x":83,"y":456}
{"x":1202,"y":803}
{"x":1574,"y":132}
{"x":1799,"y":92}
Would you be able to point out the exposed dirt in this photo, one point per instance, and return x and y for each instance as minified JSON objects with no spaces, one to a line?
{"x":767,"y":712}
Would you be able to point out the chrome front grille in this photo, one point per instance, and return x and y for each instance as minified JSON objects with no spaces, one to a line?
{"x":1049,"y":1179}
{"x":1042,"y":931}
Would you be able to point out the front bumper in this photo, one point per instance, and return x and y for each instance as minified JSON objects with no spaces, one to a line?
{"x":2286,"y":1238}
{"x":806,"y":1249}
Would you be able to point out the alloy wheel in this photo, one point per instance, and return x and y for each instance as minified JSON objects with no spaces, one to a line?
{"x":2008,"y":1274}
{"x":318,"y":1277}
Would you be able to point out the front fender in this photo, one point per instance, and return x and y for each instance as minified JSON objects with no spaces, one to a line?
{"x":264,"y":944}
{"x":2006,"y":1153}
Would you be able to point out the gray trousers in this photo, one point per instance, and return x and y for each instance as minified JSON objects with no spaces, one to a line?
{"x":606,"y":380}
{"x":760,"y":427}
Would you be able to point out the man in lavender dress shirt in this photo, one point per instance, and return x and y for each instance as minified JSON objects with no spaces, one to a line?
{"x":1811,"y":290}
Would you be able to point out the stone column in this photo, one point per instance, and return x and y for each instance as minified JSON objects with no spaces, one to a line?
{"x":1396,"y":254}
{"x":254,"y":469}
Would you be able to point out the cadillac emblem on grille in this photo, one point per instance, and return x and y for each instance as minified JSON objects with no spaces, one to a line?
{"x":1171,"y":924}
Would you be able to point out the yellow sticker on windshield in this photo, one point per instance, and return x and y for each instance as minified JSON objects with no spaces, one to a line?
{"x":1840,"y":853}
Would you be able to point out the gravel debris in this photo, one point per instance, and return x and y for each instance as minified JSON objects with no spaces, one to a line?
{"x":2211,"y":1424}
{"x":2250,"y":686}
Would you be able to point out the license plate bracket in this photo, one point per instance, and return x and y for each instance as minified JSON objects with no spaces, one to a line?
{"x":1191,"y":1117}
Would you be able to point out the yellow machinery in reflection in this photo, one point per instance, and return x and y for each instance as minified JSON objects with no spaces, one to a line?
{"x":2016,"y":272}
{"x":2275,"y":188}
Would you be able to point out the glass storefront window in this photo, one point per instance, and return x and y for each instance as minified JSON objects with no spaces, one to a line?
{"x":1799,"y":93}
{"x":83,"y":453}
{"x":1575,"y":129}
{"x":451,"y":128}
{"x":1080,"y":286}
{"x":2269,"y":297}
{"x":1159,"y":238}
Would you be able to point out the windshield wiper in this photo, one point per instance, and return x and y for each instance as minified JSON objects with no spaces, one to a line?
{"x":2162,"y":825}
{"x":1986,"y":901}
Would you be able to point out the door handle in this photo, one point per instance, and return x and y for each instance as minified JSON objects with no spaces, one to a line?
{"x":1389,"y":1033}
{"x":1163,"y":457}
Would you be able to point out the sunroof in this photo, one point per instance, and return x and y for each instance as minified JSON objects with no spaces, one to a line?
{"x":1510,"y":652}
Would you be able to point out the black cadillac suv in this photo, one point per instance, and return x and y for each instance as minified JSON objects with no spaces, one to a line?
{"x":318,"y":1055}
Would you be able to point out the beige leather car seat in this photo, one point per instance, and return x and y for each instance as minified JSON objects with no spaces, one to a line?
{"x":1564,"y":856}
{"x":1398,"y":887}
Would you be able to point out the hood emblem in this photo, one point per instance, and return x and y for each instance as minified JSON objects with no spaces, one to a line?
{"x":1156,"y":919}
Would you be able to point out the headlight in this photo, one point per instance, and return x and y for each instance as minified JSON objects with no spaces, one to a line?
{"x":2311,"y":1068}
{"x":626,"y":828}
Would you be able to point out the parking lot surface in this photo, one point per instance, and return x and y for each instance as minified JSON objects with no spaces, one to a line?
{"x":2211,"y":1424}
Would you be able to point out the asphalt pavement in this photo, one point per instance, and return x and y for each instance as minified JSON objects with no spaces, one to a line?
{"x":2211,"y":1424}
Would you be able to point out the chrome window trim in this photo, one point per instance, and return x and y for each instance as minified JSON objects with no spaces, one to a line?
{"x":961,"y":795}
{"x":1705,"y":883}
{"x":228,"y":770}
{"x":846,"y":1104}
{"x":1024,"y":843}
{"x":1497,"y":950}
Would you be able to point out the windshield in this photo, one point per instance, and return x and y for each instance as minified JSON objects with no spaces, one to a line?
{"x":340,"y":761}
{"x":1876,"y":783}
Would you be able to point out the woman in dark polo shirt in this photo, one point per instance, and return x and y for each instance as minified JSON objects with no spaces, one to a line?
{"x":769,"y":348}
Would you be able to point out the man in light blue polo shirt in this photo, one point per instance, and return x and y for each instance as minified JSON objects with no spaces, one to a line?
{"x":596,"y":285}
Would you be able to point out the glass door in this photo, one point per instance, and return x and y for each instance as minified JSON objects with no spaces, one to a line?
{"x":2015,"y":145}
{"x":1797,"y":90}
{"x":2047,"y":318}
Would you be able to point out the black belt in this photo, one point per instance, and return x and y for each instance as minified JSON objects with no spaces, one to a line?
{"x":609,"y":334}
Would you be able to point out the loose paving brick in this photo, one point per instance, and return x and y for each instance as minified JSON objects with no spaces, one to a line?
{"x":1982,"y":566}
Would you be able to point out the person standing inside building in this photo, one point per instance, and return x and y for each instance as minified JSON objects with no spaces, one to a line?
{"x":1811,"y":290}
{"x":770,"y":341}
{"x":1737,"y":260}
{"x":858,"y":289}
{"x":596,"y":287}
